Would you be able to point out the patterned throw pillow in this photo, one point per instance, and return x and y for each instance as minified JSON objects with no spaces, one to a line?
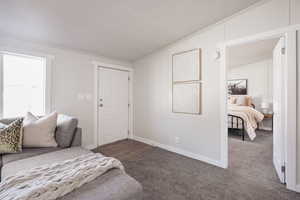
{"x":11,"y":137}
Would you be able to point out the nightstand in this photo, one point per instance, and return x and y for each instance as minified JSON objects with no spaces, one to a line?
{"x":269,"y":116}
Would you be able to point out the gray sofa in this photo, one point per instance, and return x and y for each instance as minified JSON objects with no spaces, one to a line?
{"x":113,"y":185}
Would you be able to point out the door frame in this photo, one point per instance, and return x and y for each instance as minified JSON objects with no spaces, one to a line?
{"x":278,"y":162}
{"x":290,"y":33}
{"x":97,"y":65}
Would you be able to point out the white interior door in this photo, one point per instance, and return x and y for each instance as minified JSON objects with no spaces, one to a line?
{"x":113,"y":101}
{"x":279,"y":109}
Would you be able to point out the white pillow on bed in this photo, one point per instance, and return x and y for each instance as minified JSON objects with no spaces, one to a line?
{"x":39,"y":132}
{"x":241,"y":101}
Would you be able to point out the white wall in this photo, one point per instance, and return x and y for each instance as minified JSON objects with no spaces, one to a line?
{"x":199,"y":135}
{"x":72,"y":77}
{"x":259,"y":76}
{"x":154,"y":119}
{"x":298,"y":114}
{"x":295,"y":19}
{"x":295,"y":14}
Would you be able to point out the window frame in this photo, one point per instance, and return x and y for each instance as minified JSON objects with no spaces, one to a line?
{"x":48,"y":70}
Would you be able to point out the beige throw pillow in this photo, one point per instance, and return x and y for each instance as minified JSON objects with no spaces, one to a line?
{"x":232,"y":100}
{"x":39,"y":132}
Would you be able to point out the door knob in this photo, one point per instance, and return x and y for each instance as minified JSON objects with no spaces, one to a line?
{"x":100,"y":105}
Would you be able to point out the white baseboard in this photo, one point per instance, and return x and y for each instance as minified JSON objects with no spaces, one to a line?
{"x":179,"y":151}
{"x":265,"y":128}
{"x":297,"y":188}
{"x":90,"y":146}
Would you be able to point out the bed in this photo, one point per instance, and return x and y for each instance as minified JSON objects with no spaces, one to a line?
{"x":243,"y":116}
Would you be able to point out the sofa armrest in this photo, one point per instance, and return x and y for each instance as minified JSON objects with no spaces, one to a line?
{"x":77,"y":137}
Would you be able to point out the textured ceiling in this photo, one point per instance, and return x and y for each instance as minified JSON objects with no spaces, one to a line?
{"x":123,"y":29}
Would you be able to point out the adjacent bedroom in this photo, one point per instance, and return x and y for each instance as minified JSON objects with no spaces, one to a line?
{"x":253,"y":106}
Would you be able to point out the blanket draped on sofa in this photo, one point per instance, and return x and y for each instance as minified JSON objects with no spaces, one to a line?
{"x":49,"y":182}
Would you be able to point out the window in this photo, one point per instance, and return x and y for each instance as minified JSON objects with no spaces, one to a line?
{"x":23,"y":85}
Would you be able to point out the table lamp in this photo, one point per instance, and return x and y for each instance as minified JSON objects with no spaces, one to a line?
{"x":265,"y":106}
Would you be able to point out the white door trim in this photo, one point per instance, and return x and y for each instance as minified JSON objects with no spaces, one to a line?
{"x":130,"y":119}
{"x":298,"y":188}
{"x":290,"y":34}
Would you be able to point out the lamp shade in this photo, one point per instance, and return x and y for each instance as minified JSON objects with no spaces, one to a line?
{"x":264,"y":105}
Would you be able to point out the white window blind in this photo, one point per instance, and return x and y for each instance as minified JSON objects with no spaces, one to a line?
{"x":23,"y":81}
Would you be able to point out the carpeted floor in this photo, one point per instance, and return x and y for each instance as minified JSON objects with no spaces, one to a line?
{"x":165,"y":175}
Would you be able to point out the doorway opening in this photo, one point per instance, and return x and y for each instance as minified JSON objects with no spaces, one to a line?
{"x":258,"y":130}
{"x":256,"y":104}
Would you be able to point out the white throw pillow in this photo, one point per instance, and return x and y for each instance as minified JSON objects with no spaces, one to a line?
{"x":39,"y":132}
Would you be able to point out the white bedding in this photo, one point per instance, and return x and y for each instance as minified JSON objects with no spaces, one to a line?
{"x":250,"y":116}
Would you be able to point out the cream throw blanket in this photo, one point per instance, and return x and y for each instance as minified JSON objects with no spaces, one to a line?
{"x":250,"y":116}
{"x":50,"y":182}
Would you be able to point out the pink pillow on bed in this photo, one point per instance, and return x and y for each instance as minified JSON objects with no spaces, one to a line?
{"x":232,"y":100}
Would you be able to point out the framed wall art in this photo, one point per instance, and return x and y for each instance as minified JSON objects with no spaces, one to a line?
{"x":237,"y":87}
{"x":186,"y":82}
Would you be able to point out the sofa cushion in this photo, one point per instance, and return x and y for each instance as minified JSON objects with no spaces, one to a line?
{"x":113,"y":185}
{"x":26,"y":153}
{"x":10,"y":168}
{"x":7,"y":121}
{"x":65,"y":130}
{"x":2,"y":126}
